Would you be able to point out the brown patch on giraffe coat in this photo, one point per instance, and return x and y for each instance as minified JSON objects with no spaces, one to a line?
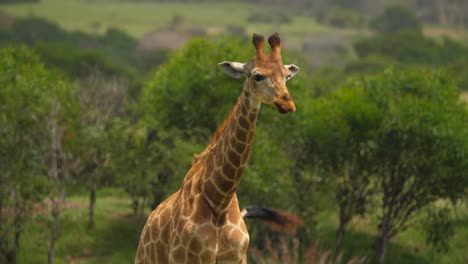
{"x":244,"y":123}
{"x":215,"y":195}
{"x":178,"y":255}
{"x":147,"y":237}
{"x":220,"y":158}
{"x":161,"y":251}
{"x":187,"y":210}
{"x":229,"y":172}
{"x":244,"y":111}
{"x":208,"y":256}
{"x":208,"y":235}
{"x":209,"y":163}
{"x":246,"y":155}
{"x":152,"y":254}
{"x":241,"y":135}
{"x":195,"y":245}
{"x":194,"y":258}
{"x":240,"y":147}
{"x":253,"y":117}
{"x":235,"y":159}
{"x":165,"y":233}
{"x":203,"y":211}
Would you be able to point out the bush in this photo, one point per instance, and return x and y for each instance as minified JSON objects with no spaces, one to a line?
{"x":343,"y":18}
{"x":371,"y":64}
{"x":407,"y":47}
{"x":396,"y":18}
{"x":204,"y":94}
{"x":31,"y":30}
{"x":269,"y":18}
{"x":78,"y":63}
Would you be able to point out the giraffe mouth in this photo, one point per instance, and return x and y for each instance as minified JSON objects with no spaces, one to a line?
{"x":285,"y":108}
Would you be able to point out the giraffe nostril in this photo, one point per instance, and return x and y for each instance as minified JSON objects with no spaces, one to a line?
{"x":286,"y":97}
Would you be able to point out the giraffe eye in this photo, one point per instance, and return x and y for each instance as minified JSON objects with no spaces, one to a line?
{"x":259,"y":77}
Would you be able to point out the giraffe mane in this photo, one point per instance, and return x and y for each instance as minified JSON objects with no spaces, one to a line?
{"x":222,"y":127}
{"x":219,"y":131}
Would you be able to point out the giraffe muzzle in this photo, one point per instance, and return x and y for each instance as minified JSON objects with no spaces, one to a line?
{"x":284,"y":105}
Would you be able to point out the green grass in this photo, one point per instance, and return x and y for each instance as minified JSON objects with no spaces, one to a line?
{"x":141,"y":17}
{"x":408,"y":247}
{"x":115,"y":238}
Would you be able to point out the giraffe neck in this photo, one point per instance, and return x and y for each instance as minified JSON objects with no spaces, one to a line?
{"x":225,"y":162}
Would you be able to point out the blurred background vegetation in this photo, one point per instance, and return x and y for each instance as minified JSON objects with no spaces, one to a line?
{"x":104,"y":102}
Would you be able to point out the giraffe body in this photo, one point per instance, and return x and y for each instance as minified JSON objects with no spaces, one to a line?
{"x":202,"y":222}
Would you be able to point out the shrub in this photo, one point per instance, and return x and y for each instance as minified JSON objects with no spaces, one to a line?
{"x":396,"y":18}
{"x":342,"y":18}
{"x":79,"y":63}
{"x":407,"y":47}
{"x":269,"y":17}
{"x":371,"y":64}
{"x":31,"y":30}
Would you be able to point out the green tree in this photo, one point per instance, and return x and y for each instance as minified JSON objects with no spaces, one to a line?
{"x":396,"y":18}
{"x":421,"y":145}
{"x":401,"y":135}
{"x":101,"y":100}
{"x":341,"y":131}
{"x":28,"y":94}
{"x":62,"y":128}
{"x":192,"y":86}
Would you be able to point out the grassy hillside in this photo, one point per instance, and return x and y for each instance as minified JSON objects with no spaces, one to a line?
{"x":141,"y":17}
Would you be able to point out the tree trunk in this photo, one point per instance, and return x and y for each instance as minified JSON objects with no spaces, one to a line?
{"x":11,"y":256}
{"x":381,"y":249}
{"x":92,"y":199}
{"x":339,"y":237}
{"x":381,"y":246}
{"x":135,"y":205}
{"x":53,"y":232}
{"x":54,"y":180}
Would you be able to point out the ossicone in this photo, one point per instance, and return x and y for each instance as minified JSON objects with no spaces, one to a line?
{"x":258,"y":42}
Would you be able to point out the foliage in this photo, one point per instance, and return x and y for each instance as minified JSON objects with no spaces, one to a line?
{"x":341,"y":134}
{"x":129,"y":161}
{"x":28,"y":94}
{"x":439,"y":228}
{"x":396,"y":18}
{"x":78,"y":63}
{"x":78,"y":54}
{"x":369,"y":65}
{"x":32,"y":30}
{"x":403,"y":129}
{"x":269,"y":18}
{"x":191,"y":85}
{"x":102,"y":99}
{"x":406,"y":47}
{"x":420,"y":147}
{"x":342,"y":18}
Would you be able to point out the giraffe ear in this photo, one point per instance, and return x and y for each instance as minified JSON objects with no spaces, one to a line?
{"x":293,"y":69}
{"x":233,"y":69}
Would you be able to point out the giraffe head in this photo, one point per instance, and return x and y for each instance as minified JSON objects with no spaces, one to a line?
{"x":266,"y":74}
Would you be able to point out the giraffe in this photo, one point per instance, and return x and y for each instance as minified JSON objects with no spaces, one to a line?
{"x":202,"y":222}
